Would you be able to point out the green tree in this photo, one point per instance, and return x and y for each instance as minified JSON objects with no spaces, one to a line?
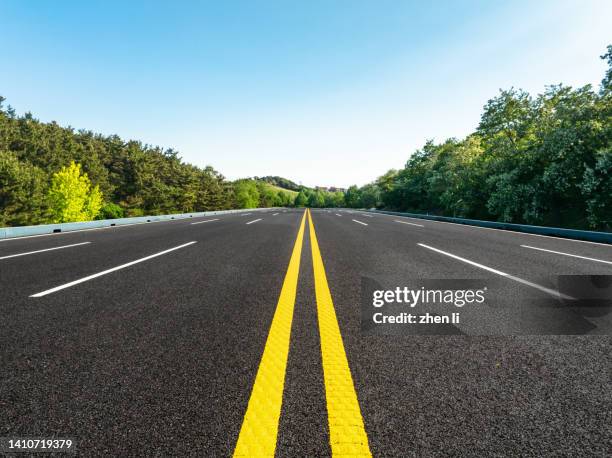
{"x":352,"y":197}
{"x":338,"y":199}
{"x":606,"y":83}
{"x":316,"y":200}
{"x":246,"y":194}
{"x":301,"y":200}
{"x":22,"y":192}
{"x":285,"y":199}
{"x":71,"y":196}
{"x":369,"y":196}
{"x":268,"y":196}
{"x":111,"y":211}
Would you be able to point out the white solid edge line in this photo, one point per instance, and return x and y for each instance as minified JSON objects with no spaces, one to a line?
{"x":207,"y":221}
{"x":99,"y":274}
{"x":254,"y":221}
{"x":360,"y":222}
{"x":507,"y":231}
{"x":552,"y":292}
{"x":40,"y":251}
{"x":565,"y":254}
{"x":406,"y":222}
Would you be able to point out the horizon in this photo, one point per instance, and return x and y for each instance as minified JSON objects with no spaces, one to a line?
{"x":301,"y":92}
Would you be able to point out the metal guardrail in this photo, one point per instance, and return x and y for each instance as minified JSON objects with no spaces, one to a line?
{"x":590,"y":236}
{"x":23,"y":231}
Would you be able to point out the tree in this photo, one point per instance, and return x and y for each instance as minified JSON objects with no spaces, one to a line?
{"x":71,"y":196}
{"x":606,"y":83}
{"x":301,"y":200}
{"x":246,"y":194}
{"x":597,"y":189}
{"x":352,"y":197}
{"x":22,"y":192}
{"x":316,"y":200}
{"x":268,"y":195}
{"x":110,"y":211}
{"x":285,"y":199}
{"x":369,"y":196}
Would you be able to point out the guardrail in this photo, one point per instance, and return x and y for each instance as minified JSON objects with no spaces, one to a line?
{"x":590,"y":236}
{"x":22,"y":231}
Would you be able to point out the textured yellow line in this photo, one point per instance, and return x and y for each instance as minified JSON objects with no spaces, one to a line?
{"x":260,"y":425}
{"x":347,"y":435}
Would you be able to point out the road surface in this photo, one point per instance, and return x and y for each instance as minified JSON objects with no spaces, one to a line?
{"x":238,"y":333}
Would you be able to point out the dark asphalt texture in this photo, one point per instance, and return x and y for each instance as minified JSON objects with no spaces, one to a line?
{"x":159,"y":358}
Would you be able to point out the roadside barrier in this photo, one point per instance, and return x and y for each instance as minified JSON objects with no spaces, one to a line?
{"x":590,"y":236}
{"x":23,"y":231}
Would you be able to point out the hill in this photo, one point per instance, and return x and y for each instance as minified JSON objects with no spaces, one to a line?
{"x":280,"y":182}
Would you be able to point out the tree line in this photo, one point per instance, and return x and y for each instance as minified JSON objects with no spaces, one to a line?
{"x":133,"y":178}
{"x":50,"y":173}
{"x":544,"y":160}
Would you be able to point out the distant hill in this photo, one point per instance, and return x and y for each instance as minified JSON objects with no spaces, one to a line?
{"x":278,"y":188}
{"x":284,"y":183}
{"x":280,"y":182}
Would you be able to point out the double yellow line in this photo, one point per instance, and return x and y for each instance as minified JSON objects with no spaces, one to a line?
{"x":260,"y":425}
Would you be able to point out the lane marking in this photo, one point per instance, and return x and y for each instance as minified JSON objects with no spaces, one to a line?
{"x":260,"y":425}
{"x":244,"y":214}
{"x":502,"y":230}
{"x":40,"y":251}
{"x":364,"y":214}
{"x":274,"y":214}
{"x":406,"y":222}
{"x":108,"y":271}
{"x":564,"y":254}
{"x":207,"y":221}
{"x":338,"y":214}
{"x":360,"y":222}
{"x":254,"y":221}
{"x":552,"y":292}
{"x":347,"y":433}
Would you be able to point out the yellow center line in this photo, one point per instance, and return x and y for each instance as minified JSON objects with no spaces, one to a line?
{"x":347,"y":435}
{"x":260,"y":425}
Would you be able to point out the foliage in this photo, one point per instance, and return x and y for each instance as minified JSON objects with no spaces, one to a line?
{"x":301,"y":200}
{"x":316,"y":199}
{"x":22,"y":192}
{"x":319,"y":198}
{"x":246,"y":194}
{"x":141,"y":179}
{"x":111,"y":211}
{"x":543,"y":160}
{"x":71,"y":196}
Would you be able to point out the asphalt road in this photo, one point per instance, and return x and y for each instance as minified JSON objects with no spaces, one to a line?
{"x":185,"y":339}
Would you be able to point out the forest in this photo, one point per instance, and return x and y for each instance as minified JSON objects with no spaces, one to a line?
{"x":108,"y":177}
{"x":544,"y":160}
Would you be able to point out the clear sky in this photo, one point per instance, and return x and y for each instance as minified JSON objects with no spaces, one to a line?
{"x":327,"y":93}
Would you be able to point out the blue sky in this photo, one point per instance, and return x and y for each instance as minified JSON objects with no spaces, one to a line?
{"x":327,"y":93}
